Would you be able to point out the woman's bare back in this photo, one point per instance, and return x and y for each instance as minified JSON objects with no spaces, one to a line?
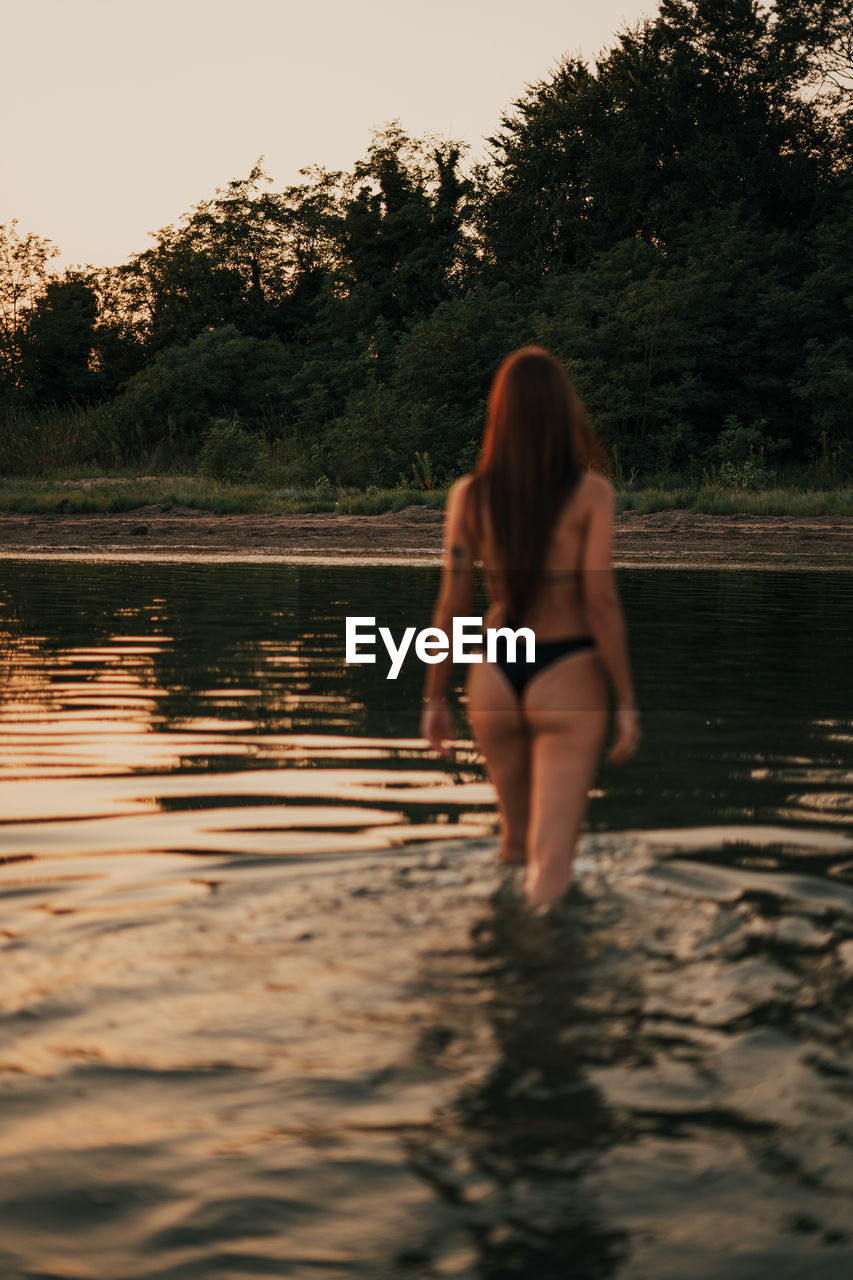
{"x":559,"y":606}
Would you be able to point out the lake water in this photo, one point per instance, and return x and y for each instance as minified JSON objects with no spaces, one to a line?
{"x":252,"y":1024}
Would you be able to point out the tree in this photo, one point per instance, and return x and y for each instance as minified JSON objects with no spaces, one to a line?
{"x":825,"y":32}
{"x":704,"y":107}
{"x":403,"y":230}
{"x":248,"y":257}
{"x":219,"y":375}
{"x":536,"y":206}
{"x":23,"y":275}
{"x":824,"y":388}
{"x":58,"y":342}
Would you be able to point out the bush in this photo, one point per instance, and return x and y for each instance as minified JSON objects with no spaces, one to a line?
{"x":830,"y":463}
{"x":34,"y":440}
{"x":371,"y":443}
{"x":749,"y":474}
{"x":738,"y":457}
{"x":229,"y":451}
{"x":222,"y":374}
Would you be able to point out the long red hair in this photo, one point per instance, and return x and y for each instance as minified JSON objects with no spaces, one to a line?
{"x":537,"y":444}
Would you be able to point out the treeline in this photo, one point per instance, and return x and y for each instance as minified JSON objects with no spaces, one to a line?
{"x":674,"y":221}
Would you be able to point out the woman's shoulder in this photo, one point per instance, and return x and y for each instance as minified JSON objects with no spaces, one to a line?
{"x":591,"y":499}
{"x":457,"y":496}
{"x":597,"y":489}
{"x":592,"y":492}
{"x":458,"y":513}
{"x":459,"y":488}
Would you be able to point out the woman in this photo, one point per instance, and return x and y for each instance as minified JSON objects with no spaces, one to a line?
{"x":541,"y":522}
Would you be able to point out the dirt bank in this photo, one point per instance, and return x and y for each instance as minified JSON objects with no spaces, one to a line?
{"x":670,"y":538}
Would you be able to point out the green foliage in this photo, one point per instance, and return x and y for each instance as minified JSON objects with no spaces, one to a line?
{"x":34,"y":441}
{"x":738,"y":458}
{"x":422,"y":471}
{"x":674,"y":220}
{"x":827,"y":390}
{"x":58,"y":340}
{"x":737,"y":443}
{"x":374,"y":501}
{"x":111,"y":494}
{"x":621,"y":482}
{"x":659,"y":342}
{"x":444,"y":366}
{"x":832,"y":464}
{"x":703,"y":105}
{"x":369,"y":443}
{"x":401,"y":229}
{"x":751,"y":473}
{"x":229,"y":452}
{"x":221,"y":374}
{"x":237,"y":259}
{"x":23,"y":277}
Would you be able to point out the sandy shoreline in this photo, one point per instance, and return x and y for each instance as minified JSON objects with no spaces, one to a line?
{"x":662,"y":539}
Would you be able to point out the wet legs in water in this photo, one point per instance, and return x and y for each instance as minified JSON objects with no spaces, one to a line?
{"x":542,"y":754}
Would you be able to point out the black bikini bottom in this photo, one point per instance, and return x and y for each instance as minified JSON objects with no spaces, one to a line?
{"x":520,"y":672}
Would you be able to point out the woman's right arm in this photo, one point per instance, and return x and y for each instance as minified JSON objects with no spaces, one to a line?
{"x":605,"y":617}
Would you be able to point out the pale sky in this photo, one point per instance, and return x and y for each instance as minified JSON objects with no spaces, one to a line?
{"x":120,"y":116}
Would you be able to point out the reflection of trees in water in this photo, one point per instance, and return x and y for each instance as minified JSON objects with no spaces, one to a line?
{"x":275,"y":630}
{"x":233,"y":651}
{"x":17,"y":678}
{"x":509,"y":1158}
{"x":727,"y":673}
{"x":731,"y":668}
{"x":228,"y":626}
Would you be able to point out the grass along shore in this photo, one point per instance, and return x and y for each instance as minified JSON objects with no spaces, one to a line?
{"x":102,"y":495}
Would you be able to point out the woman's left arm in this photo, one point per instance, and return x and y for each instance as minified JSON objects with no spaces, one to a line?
{"x":455,"y":598}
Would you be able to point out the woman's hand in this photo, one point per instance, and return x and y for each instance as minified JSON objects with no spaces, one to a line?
{"x":628,"y":735}
{"x":437,"y":726}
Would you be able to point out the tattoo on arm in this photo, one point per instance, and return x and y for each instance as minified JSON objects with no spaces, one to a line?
{"x":457,"y":557}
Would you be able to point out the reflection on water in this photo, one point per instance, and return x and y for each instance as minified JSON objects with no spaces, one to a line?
{"x":192,"y":712}
{"x":670,"y":1090}
{"x":208,"y":709}
{"x":226,"y":1050}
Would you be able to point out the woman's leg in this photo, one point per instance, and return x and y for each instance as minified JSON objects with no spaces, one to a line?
{"x":565,"y":707}
{"x":501,"y":733}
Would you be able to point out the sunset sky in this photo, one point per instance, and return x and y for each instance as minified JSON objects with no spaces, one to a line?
{"x":127,"y":114}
